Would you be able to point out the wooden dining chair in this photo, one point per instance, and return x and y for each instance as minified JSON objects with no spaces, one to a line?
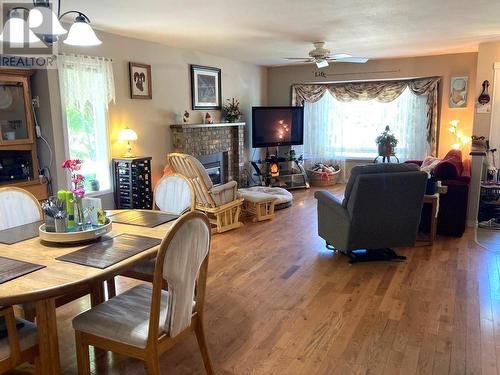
{"x":18,"y":207}
{"x":146,"y":321}
{"x":21,"y":343}
{"x":173,"y":194}
{"x":221,"y":203}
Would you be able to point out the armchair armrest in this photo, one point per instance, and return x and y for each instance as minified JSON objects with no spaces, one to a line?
{"x":225,"y":193}
{"x":334,"y":221}
{"x":417,"y":162}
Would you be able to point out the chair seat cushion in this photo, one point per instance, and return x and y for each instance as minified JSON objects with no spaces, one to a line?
{"x":27,"y":338}
{"x":282,"y":196}
{"x":124,"y":318}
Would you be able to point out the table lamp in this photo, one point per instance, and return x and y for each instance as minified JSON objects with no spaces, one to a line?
{"x":127,"y":135}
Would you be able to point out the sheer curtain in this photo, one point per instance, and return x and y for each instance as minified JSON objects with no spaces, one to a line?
{"x":87,"y":87}
{"x":336,"y":130}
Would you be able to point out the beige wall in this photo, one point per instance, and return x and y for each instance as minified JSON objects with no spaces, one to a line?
{"x":280,"y":80}
{"x":171,"y":94}
{"x":488,"y":55}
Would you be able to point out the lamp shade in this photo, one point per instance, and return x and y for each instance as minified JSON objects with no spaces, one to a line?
{"x":43,"y":21}
{"x":17,"y":33}
{"x":81,"y":34}
{"x":127,"y":135}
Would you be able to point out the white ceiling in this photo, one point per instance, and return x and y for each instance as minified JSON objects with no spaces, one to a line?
{"x":265,"y":31}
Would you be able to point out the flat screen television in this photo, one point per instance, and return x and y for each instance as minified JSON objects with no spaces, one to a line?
{"x":277,"y":126}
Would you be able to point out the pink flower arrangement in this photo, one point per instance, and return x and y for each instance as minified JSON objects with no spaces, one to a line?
{"x":74,"y":165}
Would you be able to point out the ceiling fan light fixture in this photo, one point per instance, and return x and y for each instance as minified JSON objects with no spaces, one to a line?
{"x":81,"y":33}
{"x":321,"y":63}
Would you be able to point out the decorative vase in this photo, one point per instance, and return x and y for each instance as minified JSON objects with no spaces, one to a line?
{"x":94,"y":185}
{"x":232,"y":118}
{"x":79,"y":217}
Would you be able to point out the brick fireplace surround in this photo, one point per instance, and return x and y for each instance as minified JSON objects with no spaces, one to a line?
{"x":207,"y":139}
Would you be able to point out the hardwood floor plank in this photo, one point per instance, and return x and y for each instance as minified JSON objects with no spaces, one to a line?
{"x":279,"y":302}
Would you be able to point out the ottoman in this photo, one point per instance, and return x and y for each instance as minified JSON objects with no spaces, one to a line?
{"x":261,"y":201}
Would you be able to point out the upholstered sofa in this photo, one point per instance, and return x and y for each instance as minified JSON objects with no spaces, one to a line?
{"x":454,"y":173}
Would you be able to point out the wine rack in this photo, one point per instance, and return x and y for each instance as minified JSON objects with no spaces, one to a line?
{"x":133,"y":183}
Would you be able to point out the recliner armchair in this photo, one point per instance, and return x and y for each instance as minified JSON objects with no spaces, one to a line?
{"x":381,"y":209}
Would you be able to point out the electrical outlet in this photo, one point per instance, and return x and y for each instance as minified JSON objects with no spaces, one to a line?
{"x":36,"y":102}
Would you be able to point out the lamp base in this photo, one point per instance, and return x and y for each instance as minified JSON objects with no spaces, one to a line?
{"x":128,"y":155}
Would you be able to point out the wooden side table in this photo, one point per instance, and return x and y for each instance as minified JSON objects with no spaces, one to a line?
{"x":433,"y":200}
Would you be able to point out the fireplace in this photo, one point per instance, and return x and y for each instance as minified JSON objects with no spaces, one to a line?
{"x":216,"y":166}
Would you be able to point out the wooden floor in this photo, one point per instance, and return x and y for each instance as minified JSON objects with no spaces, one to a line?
{"x":278,"y":302}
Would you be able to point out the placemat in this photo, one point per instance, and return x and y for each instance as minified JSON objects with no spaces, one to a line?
{"x":148,"y":219}
{"x":12,"y":269}
{"x":111,"y":251}
{"x":21,"y":233}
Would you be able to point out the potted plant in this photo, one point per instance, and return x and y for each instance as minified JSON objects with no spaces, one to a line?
{"x":231,"y":110}
{"x":386,"y":142}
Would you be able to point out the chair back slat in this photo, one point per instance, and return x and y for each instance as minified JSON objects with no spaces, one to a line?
{"x":191,"y":168}
{"x":18,"y":207}
{"x":175,"y":194}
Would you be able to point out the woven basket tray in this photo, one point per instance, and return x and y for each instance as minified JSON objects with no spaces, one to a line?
{"x":322,"y":178}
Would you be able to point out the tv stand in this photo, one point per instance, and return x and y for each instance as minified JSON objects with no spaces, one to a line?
{"x":290,"y":172}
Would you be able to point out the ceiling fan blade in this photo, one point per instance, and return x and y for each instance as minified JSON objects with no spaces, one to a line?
{"x":360,"y":60}
{"x":337,"y":56}
{"x":298,"y":58}
{"x":321,"y":63}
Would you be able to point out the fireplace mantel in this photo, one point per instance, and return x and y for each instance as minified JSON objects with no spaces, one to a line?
{"x":217,"y":125}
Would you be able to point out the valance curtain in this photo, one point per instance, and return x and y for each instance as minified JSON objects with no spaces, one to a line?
{"x":382,"y":91}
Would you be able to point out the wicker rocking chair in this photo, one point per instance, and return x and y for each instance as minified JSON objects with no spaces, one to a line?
{"x":221,"y":203}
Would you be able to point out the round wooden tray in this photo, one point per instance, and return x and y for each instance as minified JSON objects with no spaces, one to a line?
{"x":75,"y":237}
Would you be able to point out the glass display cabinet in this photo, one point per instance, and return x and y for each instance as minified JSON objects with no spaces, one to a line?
{"x":18,"y":152}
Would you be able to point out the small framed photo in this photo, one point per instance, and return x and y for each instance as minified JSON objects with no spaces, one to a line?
{"x":205,"y":88}
{"x":458,"y":92}
{"x":140,"y":81}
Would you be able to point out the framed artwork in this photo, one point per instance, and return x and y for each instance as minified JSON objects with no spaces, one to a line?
{"x":458,"y":92}
{"x":205,"y":87}
{"x":140,"y":81}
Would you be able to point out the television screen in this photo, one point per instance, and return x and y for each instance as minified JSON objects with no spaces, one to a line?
{"x":277,"y":126}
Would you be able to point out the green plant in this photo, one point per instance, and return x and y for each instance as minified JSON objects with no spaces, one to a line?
{"x":81,"y":123}
{"x":387,"y":138}
{"x":231,"y":110}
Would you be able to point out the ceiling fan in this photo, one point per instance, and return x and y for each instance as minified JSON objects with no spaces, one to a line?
{"x":321,"y":56}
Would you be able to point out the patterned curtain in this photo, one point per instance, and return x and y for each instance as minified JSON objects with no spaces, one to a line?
{"x":382,"y":91}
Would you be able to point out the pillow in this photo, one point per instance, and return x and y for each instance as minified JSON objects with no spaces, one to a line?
{"x":429,"y":164}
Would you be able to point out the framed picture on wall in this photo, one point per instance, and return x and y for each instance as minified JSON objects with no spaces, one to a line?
{"x":205,"y":87}
{"x":458,"y":92}
{"x":140,"y":81}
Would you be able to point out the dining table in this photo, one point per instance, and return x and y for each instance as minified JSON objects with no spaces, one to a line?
{"x":60,"y":278}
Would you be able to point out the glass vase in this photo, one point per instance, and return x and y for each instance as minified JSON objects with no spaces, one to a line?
{"x":79,"y":217}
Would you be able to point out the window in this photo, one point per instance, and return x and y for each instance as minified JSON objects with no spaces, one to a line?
{"x":337,"y":129}
{"x":87,"y":87}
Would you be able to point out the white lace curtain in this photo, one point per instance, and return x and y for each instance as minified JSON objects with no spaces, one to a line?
{"x":335,"y":130}
{"x":86,"y":79}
